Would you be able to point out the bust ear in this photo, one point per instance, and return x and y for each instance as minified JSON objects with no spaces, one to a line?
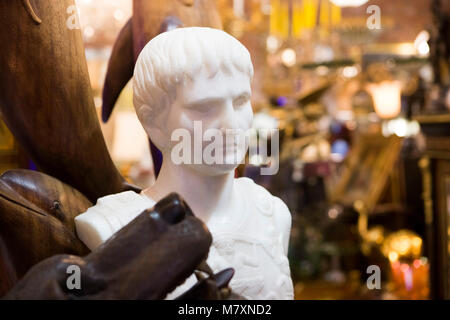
{"x":158,"y":136}
{"x":155,"y":132}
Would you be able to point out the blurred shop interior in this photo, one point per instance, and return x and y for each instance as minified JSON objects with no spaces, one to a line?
{"x":360,"y":93}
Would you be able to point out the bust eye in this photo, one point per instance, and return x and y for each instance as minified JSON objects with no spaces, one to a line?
{"x":241,"y":101}
{"x":202,"y":108}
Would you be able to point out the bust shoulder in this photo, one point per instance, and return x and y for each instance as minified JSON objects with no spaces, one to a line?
{"x":268,"y":205}
{"x":109,"y":215}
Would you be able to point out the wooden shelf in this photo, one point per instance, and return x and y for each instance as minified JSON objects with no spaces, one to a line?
{"x":434,"y":118}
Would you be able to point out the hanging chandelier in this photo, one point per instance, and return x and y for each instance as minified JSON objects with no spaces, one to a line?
{"x":349,"y":3}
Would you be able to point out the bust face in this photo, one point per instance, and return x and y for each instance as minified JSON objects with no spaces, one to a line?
{"x":215,"y":103}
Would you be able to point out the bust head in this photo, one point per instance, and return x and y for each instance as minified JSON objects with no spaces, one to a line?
{"x":193,"y":74}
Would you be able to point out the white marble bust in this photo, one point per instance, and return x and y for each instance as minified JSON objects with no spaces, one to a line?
{"x":203,"y":75}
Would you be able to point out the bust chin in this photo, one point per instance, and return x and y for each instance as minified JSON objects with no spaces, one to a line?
{"x":190,"y":80}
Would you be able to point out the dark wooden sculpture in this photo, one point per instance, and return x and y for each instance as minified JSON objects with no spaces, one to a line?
{"x":46,"y":99}
{"x":136,"y":263}
{"x":36,"y":221}
{"x":150,"y":18}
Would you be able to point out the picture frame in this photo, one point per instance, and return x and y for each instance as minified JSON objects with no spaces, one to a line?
{"x":367,"y":170}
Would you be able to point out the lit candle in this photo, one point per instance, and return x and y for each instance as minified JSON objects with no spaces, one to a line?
{"x":325,"y":14}
{"x":297,"y":19}
{"x":335,"y":15}
{"x":310,"y":8}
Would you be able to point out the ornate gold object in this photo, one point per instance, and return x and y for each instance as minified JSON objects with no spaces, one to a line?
{"x":424,"y":164}
{"x":402,"y":244}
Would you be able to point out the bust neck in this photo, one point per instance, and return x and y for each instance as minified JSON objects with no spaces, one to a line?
{"x":208,"y":196}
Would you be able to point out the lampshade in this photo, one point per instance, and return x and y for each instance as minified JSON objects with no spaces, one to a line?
{"x":386,"y":98}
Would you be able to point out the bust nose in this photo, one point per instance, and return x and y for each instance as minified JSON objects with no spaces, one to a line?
{"x":229,"y":120}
